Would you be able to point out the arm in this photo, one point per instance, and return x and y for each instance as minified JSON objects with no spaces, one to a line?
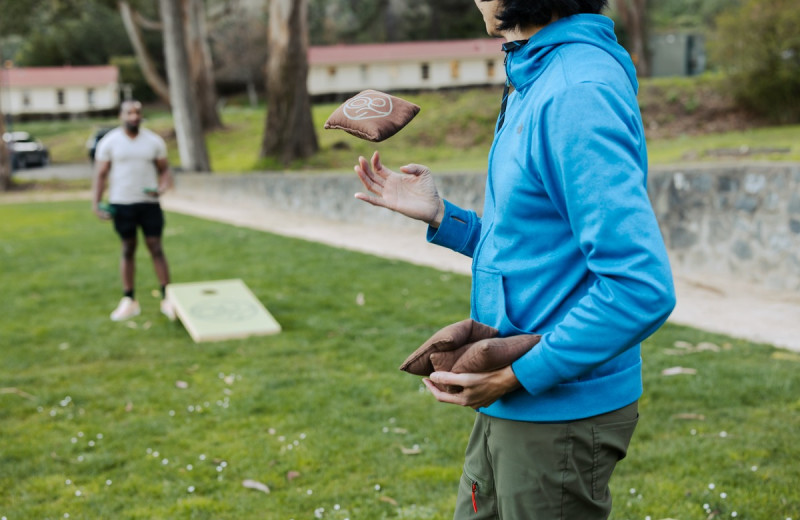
{"x":99,"y":186}
{"x":598,"y":187}
{"x":165,"y":181}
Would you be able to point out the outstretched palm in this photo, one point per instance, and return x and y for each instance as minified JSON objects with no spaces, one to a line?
{"x":412,"y":192}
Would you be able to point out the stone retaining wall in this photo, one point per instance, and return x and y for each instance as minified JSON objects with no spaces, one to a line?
{"x":739,"y":220}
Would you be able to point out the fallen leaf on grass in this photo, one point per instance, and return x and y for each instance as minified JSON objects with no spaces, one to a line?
{"x":674,"y":371}
{"x":690,"y":416}
{"x":388,"y":500}
{"x":411,"y":451}
{"x":181,"y":384}
{"x":291,"y":475}
{"x":17,"y":391}
{"x":254,"y":484}
{"x":684,"y":347}
{"x":128,"y":407}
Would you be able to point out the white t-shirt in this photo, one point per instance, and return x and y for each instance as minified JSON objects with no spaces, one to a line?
{"x":133,"y":167}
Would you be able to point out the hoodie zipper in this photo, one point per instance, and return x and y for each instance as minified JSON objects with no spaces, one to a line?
{"x":508,"y":47}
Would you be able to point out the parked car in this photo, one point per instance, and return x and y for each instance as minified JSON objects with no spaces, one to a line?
{"x":25,"y":150}
{"x":91,"y":143}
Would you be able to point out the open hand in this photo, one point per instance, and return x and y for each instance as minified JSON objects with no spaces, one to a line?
{"x":412,"y":192}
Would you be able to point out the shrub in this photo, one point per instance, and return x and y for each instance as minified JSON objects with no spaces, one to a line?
{"x":758,"y":46}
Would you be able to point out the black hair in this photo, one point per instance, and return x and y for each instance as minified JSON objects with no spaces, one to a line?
{"x":515,"y":14}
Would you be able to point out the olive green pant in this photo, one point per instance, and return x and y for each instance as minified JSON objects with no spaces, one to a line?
{"x":543,"y":471}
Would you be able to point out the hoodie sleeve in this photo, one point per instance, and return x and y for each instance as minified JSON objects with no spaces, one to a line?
{"x":460,"y":230}
{"x":593,"y":169}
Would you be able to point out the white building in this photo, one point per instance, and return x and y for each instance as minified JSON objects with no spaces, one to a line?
{"x":430,"y":65}
{"x":58,"y":90}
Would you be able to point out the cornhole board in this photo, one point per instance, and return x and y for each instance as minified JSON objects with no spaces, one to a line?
{"x":219,"y":310}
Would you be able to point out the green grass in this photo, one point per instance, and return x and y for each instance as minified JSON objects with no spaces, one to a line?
{"x":452,"y":132}
{"x":93,"y":424}
{"x":766,"y":144}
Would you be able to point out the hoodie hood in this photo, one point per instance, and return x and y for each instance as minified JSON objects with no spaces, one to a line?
{"x":525,"y":63}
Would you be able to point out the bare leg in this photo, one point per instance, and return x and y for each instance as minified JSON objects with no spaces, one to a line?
{"x":128,"y":263}
{"x":159,"y":259}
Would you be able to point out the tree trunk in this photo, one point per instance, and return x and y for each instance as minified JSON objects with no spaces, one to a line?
{"x":146,"y":64}
{"x":634,"y":19}
{"x":289,"y":132}
{"x":201,"y":64}
{"x":188,"y":131}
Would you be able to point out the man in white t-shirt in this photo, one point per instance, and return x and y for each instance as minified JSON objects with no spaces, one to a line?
{"x":133,"y":162}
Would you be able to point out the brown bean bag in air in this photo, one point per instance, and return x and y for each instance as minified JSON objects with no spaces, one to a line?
{"x":372,"y":115}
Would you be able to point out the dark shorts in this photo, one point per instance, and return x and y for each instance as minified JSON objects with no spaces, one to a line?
{"x":145,"y":215}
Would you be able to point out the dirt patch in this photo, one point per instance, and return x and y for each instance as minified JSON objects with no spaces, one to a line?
{"x":694,"y":109}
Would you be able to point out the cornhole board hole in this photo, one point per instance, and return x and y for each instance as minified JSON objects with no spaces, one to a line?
{"x":219,"y":310}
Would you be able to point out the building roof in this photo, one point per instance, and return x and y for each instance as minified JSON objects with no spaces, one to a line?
{"x":60,"y":76}
{"x":405,"y":51}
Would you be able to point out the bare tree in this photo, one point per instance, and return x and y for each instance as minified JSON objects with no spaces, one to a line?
{"x":132,"y":21}
{"x":239,"y":45}
{"x":188,"y":130}
{"x":200,"y":64}
{"x":193,"y":19}
{"x":633,"y":14}
{"x":289,"y":133}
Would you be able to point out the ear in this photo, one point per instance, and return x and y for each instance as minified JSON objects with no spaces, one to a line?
{"x":448,"y":338}
{"x":494,"y":353}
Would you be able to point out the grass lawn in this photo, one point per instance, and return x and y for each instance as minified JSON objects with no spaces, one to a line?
{"x":133,"y":420}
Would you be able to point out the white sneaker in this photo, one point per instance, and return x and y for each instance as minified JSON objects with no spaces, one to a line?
{"x":167,"y":309}
{"x":127,"y":308}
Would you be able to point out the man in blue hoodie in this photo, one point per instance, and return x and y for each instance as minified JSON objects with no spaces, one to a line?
{"x":567,"y":247}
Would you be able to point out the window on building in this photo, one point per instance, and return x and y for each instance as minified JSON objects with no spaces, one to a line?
{"x":60,"y":97}
{"x":455,"y":69}
{"x":425,"y":71}
{"x":26,"y":98}
{"x":331,"y":71}
{"x":90,"y":97}
{"x":490,"y":69}
{"x":364,"y":73}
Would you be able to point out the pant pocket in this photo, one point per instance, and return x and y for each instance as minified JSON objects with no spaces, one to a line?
{"x":476,"y":498}
{"x":610,"y":445}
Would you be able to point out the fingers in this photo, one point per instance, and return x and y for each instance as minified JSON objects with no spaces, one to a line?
{"x":369,"y":178}
{"x":375,"y":201}
{"x":439,"y":380}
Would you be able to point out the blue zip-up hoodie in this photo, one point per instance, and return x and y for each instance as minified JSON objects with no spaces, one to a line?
{"x":568,"y":245}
